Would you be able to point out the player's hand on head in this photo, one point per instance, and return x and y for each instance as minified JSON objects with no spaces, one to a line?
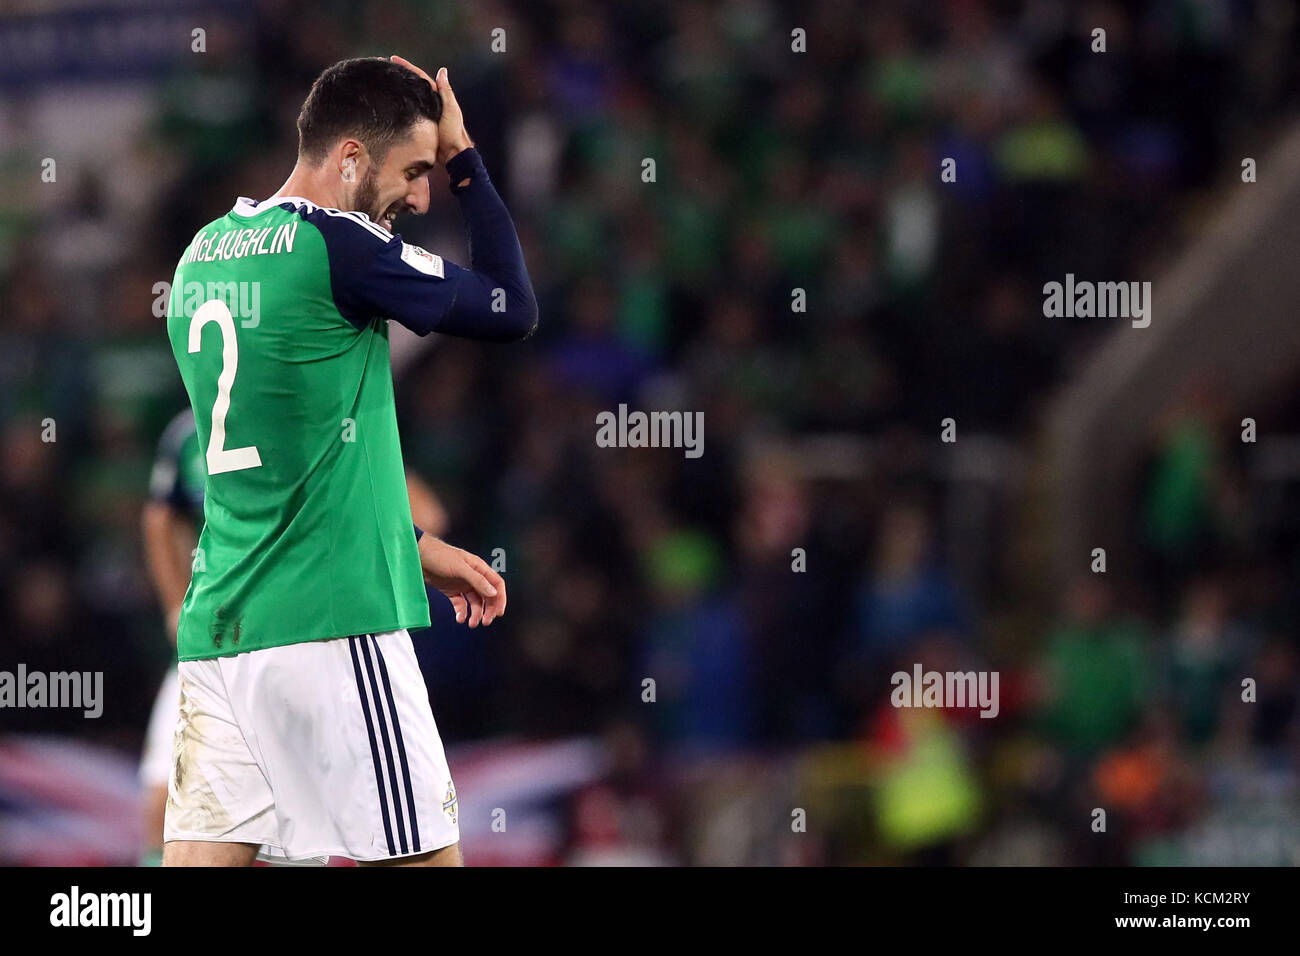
{"x":452,"y":137}
{"x":477,"y":593}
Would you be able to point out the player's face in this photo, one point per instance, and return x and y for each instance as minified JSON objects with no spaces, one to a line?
{"x":401,"y":183}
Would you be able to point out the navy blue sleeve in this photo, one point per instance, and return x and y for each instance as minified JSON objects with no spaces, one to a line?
{"x":373,"y":274}
{"x":496,"y":292}
{"x":419,"y":532}
{"x":166,"y":482}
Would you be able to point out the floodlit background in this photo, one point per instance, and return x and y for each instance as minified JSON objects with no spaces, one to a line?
{"x":776,"y":171}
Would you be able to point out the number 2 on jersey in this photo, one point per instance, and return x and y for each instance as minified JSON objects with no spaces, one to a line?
{"x":220,"y":458}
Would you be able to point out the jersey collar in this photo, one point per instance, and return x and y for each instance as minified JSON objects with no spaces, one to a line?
{"x":253,"y":207}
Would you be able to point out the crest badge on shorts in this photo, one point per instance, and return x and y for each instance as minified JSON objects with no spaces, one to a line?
{"x":449,"y":802}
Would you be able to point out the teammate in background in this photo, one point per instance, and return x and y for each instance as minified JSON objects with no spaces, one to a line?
{"x":171,"y":521}
{"x":305,"y":725}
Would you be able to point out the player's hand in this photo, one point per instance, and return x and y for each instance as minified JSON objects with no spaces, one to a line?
{"x":477,"y":593}
{"x":452,"y":137}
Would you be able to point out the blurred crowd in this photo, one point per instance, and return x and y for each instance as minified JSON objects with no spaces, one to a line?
{"x":768,"y":588}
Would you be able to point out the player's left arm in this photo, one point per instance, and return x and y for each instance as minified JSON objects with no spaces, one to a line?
{"x":476,"y":591}
{"x":426,"y":509}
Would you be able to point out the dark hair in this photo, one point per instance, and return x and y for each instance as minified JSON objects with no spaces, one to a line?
{"x":371,"y":98}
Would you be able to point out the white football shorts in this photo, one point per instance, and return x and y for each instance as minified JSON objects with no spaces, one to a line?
{"x":319,"y":749}
{"x":156,"y":762}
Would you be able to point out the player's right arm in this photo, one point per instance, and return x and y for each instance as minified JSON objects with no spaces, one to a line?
{"x":375,"y":274}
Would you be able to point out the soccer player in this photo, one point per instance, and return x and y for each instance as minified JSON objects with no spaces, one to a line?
{"x":305,"y":725}
{"x":170,"y":521}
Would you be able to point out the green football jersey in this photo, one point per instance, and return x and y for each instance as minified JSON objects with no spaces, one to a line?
{"x":279,"y":325}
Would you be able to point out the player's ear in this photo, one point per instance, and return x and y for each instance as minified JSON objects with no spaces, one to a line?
{"x":351,"y":154}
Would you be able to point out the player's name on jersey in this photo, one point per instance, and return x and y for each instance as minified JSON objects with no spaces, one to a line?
{"x":238,"y":243}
